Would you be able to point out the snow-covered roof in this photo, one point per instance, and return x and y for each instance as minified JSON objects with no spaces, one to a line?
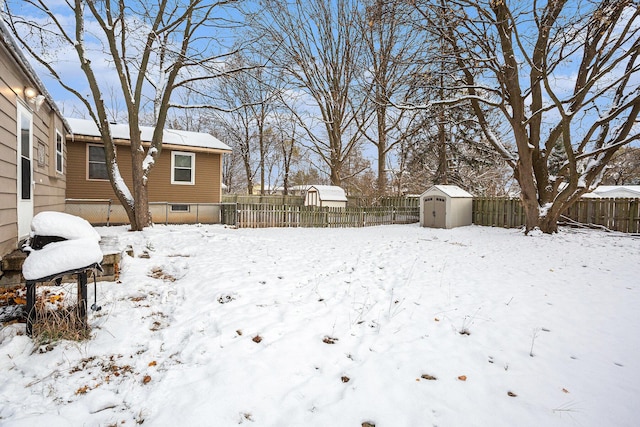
{"x":7,"y":39}
{"x":629,"y":191}
{"x":450,"y":190}
{"x":329,"y":193}
{"x":170,"y":136}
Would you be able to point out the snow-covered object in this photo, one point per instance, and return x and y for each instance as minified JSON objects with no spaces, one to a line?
{"x":452,"y":191}
{"x":61,"y":224}
{"x":325,"y":196}
{"x":446,"y":206}
{"x":613,"y":191}
{"x":58,"y":257}
{"x":170,"y":136}
{"x":80,"y":249}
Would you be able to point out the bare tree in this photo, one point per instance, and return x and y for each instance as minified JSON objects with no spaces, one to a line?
{"x":562,"y":75}
{"x":393,"y":55}
{"x":238,"y":123}
{"x":624,"y":168}
{"x":318,"y":44}
{"x":286,"y":137}
{"x":251,"y":99}
{"x":154,"y":47}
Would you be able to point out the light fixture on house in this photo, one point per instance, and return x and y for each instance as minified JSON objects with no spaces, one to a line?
{"x":31,"y":96}
{"x":30,"y":93}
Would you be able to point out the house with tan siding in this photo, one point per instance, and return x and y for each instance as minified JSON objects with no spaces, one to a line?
{"x":187,"y":174}
{"x":32,"y":147}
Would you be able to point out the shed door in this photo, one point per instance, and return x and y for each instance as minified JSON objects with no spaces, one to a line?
{"x":25,"y":172}
{"x":435,"y":210}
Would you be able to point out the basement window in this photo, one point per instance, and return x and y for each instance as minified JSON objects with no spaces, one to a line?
{"x":180,"y":208}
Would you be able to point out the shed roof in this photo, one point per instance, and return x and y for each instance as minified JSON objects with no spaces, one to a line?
{"x":450,"y":190}
{"x":170,"y":136}
{"x":329,"y":193}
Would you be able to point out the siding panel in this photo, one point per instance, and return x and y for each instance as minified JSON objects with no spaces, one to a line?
{"x":205,"y":190}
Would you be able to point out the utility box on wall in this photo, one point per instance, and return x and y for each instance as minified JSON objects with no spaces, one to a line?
{"x":446,"y":206}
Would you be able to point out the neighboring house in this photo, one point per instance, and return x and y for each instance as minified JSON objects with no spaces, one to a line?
{"x":615,"y":191}
{"x":298,"y":190}
{"x":32,"y":147}
{"x":325,"y":196}
{"x":188,"y":171}
{"x":268,"y":190}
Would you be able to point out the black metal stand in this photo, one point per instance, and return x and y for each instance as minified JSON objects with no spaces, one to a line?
{"x":81,"y":277}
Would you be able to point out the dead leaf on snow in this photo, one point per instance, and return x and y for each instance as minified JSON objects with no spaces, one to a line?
{"x":329,"y":340}
{"x":82,"y":390}
{"x":462,"y":377}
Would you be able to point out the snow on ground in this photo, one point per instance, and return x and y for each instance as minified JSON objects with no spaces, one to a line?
{"x":338,"y":327}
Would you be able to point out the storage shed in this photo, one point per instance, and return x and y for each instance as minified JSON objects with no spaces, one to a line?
{"x":325,"y":196}
{"x":445,"y":206}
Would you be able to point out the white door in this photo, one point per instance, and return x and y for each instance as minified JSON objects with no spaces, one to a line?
{"x":25,"y":171}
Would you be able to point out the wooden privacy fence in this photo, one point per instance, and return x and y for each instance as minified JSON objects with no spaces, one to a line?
{"x":268,"y":199}
{"x":614,"y":214}
{"x":264,"y":215}
{"x":353,"y":201}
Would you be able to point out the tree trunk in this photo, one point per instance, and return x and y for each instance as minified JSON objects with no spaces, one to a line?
{"x":528,"y":195}
{"x":381,"y":114}
{"x":382,"y":173}
{"x":141,"y":216}
{"x":549,"y":223}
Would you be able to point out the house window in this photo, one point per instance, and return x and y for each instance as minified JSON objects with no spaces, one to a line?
{"x":183,"y":168}
{"x":97,"y":162}
{"x":180,"y":208}
{"x":59,"y":151}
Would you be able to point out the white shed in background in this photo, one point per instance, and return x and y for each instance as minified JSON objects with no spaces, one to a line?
{"x":446,"y":206}
{"x":325,"y":196}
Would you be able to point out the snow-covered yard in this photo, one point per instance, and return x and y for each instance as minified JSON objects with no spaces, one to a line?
{"x":391,"y":326}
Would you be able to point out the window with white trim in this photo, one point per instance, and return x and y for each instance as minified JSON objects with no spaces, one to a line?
{"x":59,"y":151}
{"x":96,"y":162}
{"x":183,"y":168}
